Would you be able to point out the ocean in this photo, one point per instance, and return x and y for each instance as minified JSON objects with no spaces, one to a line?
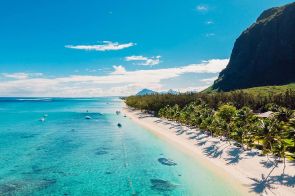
{"x":48,"y":147}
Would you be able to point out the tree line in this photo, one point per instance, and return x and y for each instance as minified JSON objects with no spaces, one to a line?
{"x":239,"y":99}
{"x":231,"y":116}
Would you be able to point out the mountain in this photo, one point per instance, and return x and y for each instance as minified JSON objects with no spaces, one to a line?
{"x":264,"y":54}
{"x":151,"y":92}
{"x":171,"y":92}
{"x":146,"y":92}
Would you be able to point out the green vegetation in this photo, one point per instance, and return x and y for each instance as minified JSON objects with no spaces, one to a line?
{"x":259,"y":99}
{"x":232,"y":116}
{"x":263,"y":90}
{"x":270,"y":90}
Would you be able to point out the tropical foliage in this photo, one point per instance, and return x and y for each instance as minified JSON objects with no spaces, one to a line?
{"x":232,"y":117}
{"x":258,"y":102}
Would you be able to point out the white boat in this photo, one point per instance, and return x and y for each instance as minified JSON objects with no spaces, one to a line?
{"x":42,"y":119}
{"x":88,"y":117}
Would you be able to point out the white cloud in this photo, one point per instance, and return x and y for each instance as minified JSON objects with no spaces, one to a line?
{"x":118,"y":82}
{"x":193,"y":89}
{"x":106,"y":46}
{"x":16,"y":75}
{"x":91,"y":70}
{"x":144,"y":60}
{"x":20,"y":75}
{"x":135,"y":58}
{"x":119,"y":70}
{"x":209,"y":80}
{"x":202,"y":8}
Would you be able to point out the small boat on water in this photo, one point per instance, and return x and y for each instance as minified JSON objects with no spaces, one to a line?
{"x":125,"y":116}
{"x":119,"y":125}
{"x":118,"y":112}
{"x":42,"y":119}
{"x":45,"y":115}
{"x":88,"y":117}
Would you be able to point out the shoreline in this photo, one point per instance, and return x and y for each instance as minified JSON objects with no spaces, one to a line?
{"x":243,"y":169}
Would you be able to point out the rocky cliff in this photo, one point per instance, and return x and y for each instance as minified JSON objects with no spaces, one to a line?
{"x":264,"y":54}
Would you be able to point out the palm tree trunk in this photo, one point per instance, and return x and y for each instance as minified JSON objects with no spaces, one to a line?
{"x":276,"y":164}
{"x":284,"y":164}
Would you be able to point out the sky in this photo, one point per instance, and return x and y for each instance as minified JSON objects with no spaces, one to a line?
{"x":92,"y":48}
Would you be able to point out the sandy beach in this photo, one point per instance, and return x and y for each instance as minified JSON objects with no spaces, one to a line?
{"x":245,"y":169}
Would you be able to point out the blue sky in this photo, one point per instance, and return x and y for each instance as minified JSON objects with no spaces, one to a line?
{"x":116,"y":47}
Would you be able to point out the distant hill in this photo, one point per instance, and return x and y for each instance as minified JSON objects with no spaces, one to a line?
{"x":151,"y":92}
{"x":264,"y":54}
{"x":170,"y":91}
{"x":146,"y":92}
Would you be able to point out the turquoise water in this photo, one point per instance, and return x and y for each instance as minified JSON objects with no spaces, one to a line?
{"x":70,"y":155}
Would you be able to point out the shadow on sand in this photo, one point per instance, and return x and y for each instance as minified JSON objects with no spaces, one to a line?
{"x":262,"y":185}
{"x":214,"y":151}
{"x":265,"y":185}
{"x":235,"y":156}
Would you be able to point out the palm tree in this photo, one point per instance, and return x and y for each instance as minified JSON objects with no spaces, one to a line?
{"x":284,"y":126}
{"x":267,"y":134}
{"x":184,"y":116}
{"x":292,"y":130}
{"x":272,"y":141}
{"x":219,"y":126}
{"x":245,"y":126}
{"x":283,"y":114}
{"x":225,"y":114}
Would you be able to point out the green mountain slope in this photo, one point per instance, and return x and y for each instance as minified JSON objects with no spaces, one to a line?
{"x":270,"y":90}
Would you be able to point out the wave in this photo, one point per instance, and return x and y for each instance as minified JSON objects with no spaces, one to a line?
{"x":18,"y":99}
{"x":34,"y":99}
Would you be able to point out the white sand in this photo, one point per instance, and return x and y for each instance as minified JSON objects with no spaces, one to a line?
{"x":244,"y":169}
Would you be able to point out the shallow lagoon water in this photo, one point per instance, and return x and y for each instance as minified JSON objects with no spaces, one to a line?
{"x":70,"y":155}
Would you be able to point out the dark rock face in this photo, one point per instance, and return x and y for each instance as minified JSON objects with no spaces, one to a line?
{"x":162,"y":185}
{"x":264,"y":54}
{"x":167,"y":162}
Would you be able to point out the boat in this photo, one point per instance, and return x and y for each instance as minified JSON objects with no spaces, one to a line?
{"x":118,"y":112}
{"x":42,"y":119}
{"x":45,"y":115}
{"x":119,"y":125}
{"x":88,"y":117}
